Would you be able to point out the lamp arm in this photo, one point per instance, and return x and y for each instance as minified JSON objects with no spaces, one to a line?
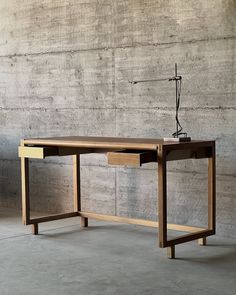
{"x":178,"y":82}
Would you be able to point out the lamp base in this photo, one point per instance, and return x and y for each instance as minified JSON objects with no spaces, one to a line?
{"x":177,"y":139}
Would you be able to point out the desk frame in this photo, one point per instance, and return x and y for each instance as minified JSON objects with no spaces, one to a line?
{"x":165,"y":153}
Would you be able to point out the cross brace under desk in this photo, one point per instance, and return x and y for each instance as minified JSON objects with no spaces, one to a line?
{"x":127,"y":152}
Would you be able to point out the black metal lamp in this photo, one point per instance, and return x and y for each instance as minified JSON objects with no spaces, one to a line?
{"x":178,"y":135}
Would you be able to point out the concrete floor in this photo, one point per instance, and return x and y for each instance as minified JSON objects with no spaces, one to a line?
{"x":108,"y":259}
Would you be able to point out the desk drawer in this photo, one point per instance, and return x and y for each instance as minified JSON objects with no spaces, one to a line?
{"x":131,"y":157}
{"x":37,"y":152}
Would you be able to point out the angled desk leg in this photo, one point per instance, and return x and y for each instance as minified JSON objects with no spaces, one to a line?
{"x":77,"y":189}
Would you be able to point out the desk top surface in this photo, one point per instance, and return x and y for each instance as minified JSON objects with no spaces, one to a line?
{"x":107,"y":142}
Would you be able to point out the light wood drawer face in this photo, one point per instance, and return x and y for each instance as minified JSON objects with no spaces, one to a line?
{"x":133,"y":158}
{"x":37,"y":152}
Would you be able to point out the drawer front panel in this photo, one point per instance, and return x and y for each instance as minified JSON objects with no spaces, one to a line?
{"x":133,"y":158}
{"x":37,"y":152}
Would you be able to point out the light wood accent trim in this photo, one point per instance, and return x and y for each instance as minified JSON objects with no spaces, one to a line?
{"x":131,"y":157}
{"x":120,"y":219}
{"x":53,"y":217}
{"x":143,"y":222}
{"x":37,"y":152}
{"x":97,"y":142}
{"x":184,"y":228}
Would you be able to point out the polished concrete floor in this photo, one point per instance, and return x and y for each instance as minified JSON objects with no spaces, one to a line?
{"x":108,"y":259}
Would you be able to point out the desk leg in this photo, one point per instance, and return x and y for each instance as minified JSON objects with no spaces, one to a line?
{"x":202,"y":242}
{"x":211,"y":196}
{"x":171,"y":252}
{"x":162,"y":198}
{"x":212,"y":191}
{"x":200,"y":235}
{"x":77,"y":190}
{"x":25,"y":190}
{"x":25,"y":195}
{"x":35,"y":229}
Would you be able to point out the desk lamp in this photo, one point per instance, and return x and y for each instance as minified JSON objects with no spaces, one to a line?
{"x":178,"y":135}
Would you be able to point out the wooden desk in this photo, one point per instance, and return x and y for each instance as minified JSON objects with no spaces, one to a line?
{"x":124,"y":151}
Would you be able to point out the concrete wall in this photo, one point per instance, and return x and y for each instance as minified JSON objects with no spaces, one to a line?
{"x":64,"y":67}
